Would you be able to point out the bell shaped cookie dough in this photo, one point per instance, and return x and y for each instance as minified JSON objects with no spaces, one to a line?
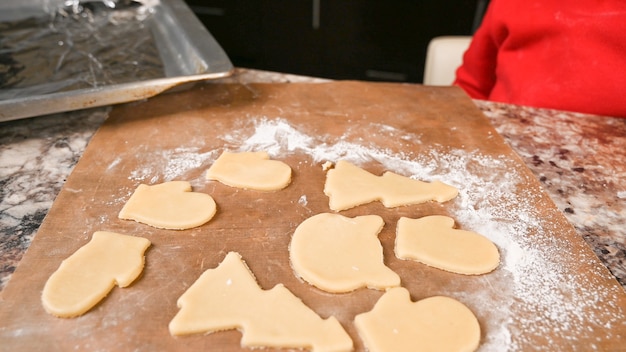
{"x":250,"y":170}
{"x":348,"y":186}
{"x":433,"y":240}
{"x":170,"y":205}
{"x":437,"y":324}
{"x":228,"y":297}
{"x":89,"y":274}
{"x":340,"y":254}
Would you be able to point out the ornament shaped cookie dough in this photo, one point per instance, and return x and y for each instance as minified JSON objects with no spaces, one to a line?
{"x":434,"y":241}
{"x":228,"y":297}
{"x":89,"y":274}
{"x":250,"y":170}
{"x":170,"y":205}
{"x":436,"y":324}
{"x":348,"y":185}
{"x":340,"y":254}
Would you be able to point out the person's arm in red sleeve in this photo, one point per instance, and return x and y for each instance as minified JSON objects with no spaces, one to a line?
{"x":477,"y":74}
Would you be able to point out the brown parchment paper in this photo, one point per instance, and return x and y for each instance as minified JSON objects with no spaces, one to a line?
{"x":178,"y":136}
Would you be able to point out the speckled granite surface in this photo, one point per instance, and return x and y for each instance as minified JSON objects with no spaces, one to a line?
{"x":579,"y":159}
{"x":36,"y":156}
{"x":581,"y":162}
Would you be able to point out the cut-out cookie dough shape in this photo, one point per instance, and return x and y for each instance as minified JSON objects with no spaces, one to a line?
{"x":170,"y":205}
{"x":228,"y":297}
{"x":250,"y":170}
{"x":436,"y":324}
{"x":340,"y":254}
{"x":348,"y":185}
{"x":89,"y":274}
{"x":434,"y":241}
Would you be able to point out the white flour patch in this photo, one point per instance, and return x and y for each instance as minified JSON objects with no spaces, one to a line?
{"x":303,"y":201}
{"x":273,"y":136}
{"x":146,"y":174}
{"x":277,"y":137}
{"x":536,"y":292}
{"x":170,"y":165}
{"x":181,"y":160}
{"x":114,"y":163}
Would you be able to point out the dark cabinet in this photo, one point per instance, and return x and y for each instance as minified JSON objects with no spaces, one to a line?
{"x":339,"y":39}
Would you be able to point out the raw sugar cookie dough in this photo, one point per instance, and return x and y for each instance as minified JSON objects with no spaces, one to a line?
{"x":434,"y":241}
{"x":437,"y":324}
{"x":89,"y":274}
{"x":170,"y":205}
{"x":348,"y":186}
{"x":339,"y":254}
{"x":228,"y":297}
{"x":250,"y":170}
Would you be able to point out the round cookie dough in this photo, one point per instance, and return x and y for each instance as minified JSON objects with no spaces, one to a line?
{"x":340,"y":254}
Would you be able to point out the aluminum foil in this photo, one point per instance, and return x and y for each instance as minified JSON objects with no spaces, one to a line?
{"x":75,"y":45}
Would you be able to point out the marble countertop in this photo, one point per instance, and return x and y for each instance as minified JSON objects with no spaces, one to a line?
{"x":579,"y":160}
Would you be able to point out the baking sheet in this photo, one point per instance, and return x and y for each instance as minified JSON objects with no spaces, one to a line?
{"x":549,"y":293}
{"x":61,"y":56}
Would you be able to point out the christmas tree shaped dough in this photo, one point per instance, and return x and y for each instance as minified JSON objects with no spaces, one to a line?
{"x":340,"y":254}
{"x":434,"y":241}
{"x":90,"y":273}
{"x":348,"y":186}
{"x":170,"y":205}
{"x":435,"y":324}
{"x":250,"y":170}
{"x":228,"y":297}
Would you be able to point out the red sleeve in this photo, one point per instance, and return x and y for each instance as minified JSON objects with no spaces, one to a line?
{"x":550,"y":54}
{"x":477,"y":74}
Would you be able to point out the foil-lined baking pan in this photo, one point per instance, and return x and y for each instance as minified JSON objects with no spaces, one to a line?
{"x":63,"y":55}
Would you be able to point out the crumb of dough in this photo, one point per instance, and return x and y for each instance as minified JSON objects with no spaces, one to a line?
{"x":89,"y":274}
{"x":170,"y":205}
{"x":250,"y":170}
{"x":348,"y":185}
{"x":437,"y":324}
{"x":327,"y":166}
{"x":228,"y":297}
{"x":339,"y":254}
{"x":434,"y":241}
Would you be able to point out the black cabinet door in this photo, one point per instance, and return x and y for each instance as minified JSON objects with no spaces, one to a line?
{"x":292,"y":43}
{"x":236,"y":25}
{"x":387,"y":40}
{"x":339,"y":39}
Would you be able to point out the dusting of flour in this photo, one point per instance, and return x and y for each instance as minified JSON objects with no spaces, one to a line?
{"x":534,"y":277}
{"x":536,"y":293}
{"x":173,"y":163}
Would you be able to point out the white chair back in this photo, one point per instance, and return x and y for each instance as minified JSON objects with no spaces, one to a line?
{"x":443,"y":56}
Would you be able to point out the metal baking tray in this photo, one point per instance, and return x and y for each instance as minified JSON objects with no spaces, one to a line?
{"x":183,"y":49}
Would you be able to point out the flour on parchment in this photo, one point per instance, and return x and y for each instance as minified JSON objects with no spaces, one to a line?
{"x":532,"y":277}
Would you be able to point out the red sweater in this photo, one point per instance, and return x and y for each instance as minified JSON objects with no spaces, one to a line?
{"x":559,"y":54}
